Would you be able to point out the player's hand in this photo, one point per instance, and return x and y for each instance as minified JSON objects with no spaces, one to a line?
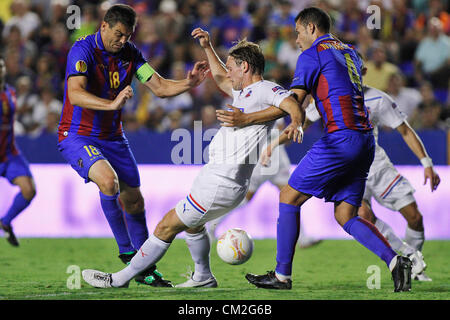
{"x":233,"y":118}
{"x":198,"y":74}
{"x":295,"y":132}
{"x":265,"y":156}
{"x":429,"y":173}
{"x":122,"y":98}
{"x":202,"y":36}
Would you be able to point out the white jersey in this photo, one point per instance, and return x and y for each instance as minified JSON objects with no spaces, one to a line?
{"x":382,"y":111}
{"x":234,"y":149}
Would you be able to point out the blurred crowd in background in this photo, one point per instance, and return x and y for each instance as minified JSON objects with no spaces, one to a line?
{"x":408,"y":56}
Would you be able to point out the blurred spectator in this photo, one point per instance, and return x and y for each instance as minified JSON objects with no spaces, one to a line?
{"x":207,"y":19}
{"x":209,"y":94}
{"x":23,"y":17}
{"x":349,"y":21}
{"x":26,"y":100}
{"x":27,"y":49}
{"x":430,"y":118}
{"x":15,"y":69}
{"x":208,"y":117}
{"x":407,"y":99}
{"x":284,"y":18}
{"x":169,"y":22}
{"x":59,"y":48}
{"x":289,"y":52}
{"x":89,"y":23}
{"x":270,"y":47}
{"x":47,"y":103}
{"x":433,"y":54}
{"x":379,"y":70}
{"x":47,"y":76}
{"x":235,"y":25}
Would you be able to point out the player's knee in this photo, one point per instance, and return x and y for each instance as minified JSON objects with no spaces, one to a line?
{"x":109,"y":185}
{"x":28,"y":192}
{"x":366,"y":214}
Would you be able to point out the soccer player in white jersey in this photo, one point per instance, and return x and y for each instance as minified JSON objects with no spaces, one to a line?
{"x":223,"y":182}
{"x":275,"y":169}
{"x":387,"y":186}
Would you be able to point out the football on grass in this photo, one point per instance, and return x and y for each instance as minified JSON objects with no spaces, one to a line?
{"x":235,"y":246}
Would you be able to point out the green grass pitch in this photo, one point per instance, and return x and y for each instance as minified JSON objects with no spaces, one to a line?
{"x":333,"y":270}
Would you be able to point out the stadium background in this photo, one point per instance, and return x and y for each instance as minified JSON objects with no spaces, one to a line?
{"x":401,"y":57}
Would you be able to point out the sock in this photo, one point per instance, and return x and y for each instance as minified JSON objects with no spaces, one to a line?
{"x":137,"y":228}
{"x":114,"y":215}
{"x":18,"y":205}
{"x":414,"y":238}
{"x":199,"y":247}
{"x":148,"y":255}
{"x":288,"y":229}
{"x":368,"y":235}
{"x":395,"y":242}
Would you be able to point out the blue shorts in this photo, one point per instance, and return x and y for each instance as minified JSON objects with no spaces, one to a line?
{"x":15,"y":166}
{"x":82,"y":152}
{"x":336,"y":167}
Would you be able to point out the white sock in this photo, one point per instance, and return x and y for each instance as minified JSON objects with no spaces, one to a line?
{"x":414,"y":238}
{"x":199,"y":247}
{"x":149,"y":254}
{"x":282,"y":277}
{"x":395,"y":242}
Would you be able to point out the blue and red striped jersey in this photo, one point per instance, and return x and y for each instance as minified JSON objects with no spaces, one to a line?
{"x":107,"y":74}
{"x":331,"y":72}
{"x":7,"y":111}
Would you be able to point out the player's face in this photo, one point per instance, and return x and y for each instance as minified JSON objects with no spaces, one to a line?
{"x":304,"y":39}
{"x":235,"y":73}
{"x":114,"y":38}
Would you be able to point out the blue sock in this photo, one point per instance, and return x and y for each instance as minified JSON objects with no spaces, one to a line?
{"x":288,"y":230}
{"x":114,"y":214}
{"x":368,"y":235}
{"x":18,"y":205}
{"x":137,"y":228}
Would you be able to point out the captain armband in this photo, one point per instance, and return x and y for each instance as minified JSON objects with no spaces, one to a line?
{"x":144,"y":73}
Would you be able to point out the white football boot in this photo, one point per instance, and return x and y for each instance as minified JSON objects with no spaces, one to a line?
{"x":418,"y":264}
{"x":421,"y":277}
{"x":191,"y":283}
{"x":99,"y":279}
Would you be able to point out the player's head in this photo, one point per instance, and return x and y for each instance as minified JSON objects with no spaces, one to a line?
{"x":245,"y":59}
{"x":117,"y":27}
{"x":310,"y":24}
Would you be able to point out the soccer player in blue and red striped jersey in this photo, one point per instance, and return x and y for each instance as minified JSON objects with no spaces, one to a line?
{"x":13,"y":165}
{"x":99,"y":71}
{"x":337,"y":166}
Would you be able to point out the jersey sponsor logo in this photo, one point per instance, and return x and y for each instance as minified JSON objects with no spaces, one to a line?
{"x":81,"y":66}
{"x":275,"y":89}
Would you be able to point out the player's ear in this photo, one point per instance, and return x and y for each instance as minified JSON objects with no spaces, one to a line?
{"x":363,"y":71}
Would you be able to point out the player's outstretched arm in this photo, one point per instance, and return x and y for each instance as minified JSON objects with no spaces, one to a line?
{"x":217,"y":67}
{"x":415,"y":144}
{"x":237,"y":118}
{"x":79,"y":96}
{"x":294,"y":130}
{"x":163,"y":88}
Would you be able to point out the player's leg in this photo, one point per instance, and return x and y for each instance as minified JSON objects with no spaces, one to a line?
{"x":414,"y":235}
{"x":152,"y":250}
{"x":199,"y":245}
{"x":19,"y":174}
{"x":104,"y":176}
{"x":133,"y":206}
{"x":366,"y":212}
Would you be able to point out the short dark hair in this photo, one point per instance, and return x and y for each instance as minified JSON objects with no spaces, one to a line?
{"x":316,"y":16}
{"x":251,"y":53}
{"x":121,"y":13}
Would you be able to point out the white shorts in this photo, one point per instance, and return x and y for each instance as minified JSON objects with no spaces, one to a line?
{"x":389,"y":188}
{"x":211,"y":196}
{"x":278,"y":171}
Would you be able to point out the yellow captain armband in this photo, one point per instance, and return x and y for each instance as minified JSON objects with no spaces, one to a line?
{"x":144,"y":73}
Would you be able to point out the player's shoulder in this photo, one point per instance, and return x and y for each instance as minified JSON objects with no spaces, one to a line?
{"x":371,"y":93}
{"x":86,"y":42}
{"x":265,"y":85}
